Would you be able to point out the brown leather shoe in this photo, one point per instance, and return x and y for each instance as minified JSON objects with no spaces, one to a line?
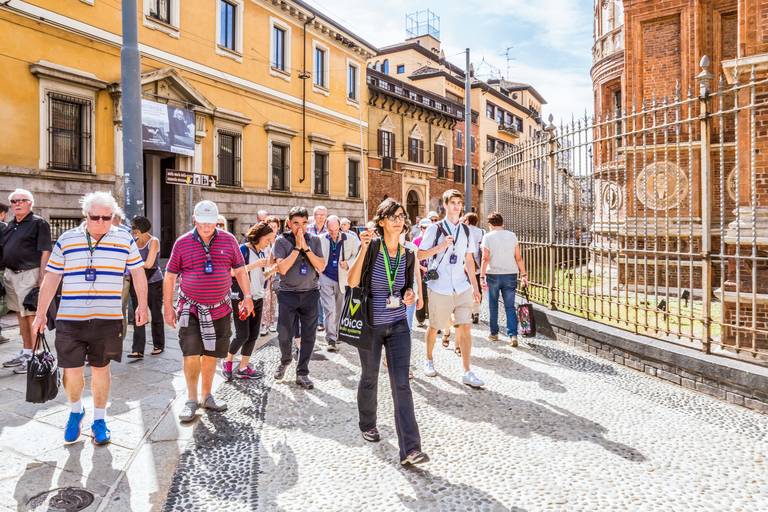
{"x":303,"y":381}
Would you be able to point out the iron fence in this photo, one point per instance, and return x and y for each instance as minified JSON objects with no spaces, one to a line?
{"x":652,"y":219}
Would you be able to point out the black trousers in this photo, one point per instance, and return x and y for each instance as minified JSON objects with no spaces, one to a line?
{"x":304,"y":307}
{"x":421,"y":314}
{"x":155,"y":305}
{"x":246,"y":331}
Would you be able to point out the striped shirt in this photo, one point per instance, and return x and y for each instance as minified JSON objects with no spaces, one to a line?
{"x":188,"y":260}
{"x":380,"y":289}
{"x":100,"y":299}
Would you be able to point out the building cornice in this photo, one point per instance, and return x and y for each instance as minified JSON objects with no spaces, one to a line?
{"x":222,"y":114}
{"x":281,"y":129}
{"x":64,"y":74}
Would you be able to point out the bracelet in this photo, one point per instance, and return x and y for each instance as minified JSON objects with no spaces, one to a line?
{"x":247,"y":296}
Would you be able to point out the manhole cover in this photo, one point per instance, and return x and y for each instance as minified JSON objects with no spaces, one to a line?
{"x":62,"y":500}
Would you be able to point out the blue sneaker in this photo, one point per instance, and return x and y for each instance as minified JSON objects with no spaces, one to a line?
{"x":75,"y":423}
{"x":101,"y":433}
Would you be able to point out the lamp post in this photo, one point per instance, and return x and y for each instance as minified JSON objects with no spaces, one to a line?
{"x":468,"y":142}
{"x":130,"y":76}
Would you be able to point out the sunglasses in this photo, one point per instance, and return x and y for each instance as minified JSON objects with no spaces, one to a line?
{"x":14,"y":201}
{"x":219,"y":225}
{"x":105,"y":218}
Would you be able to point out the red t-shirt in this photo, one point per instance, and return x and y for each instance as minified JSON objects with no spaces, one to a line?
{"x":188,"y":260}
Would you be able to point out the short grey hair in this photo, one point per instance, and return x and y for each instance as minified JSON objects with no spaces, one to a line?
{"x":119,"y":213}
{"x":262,"y":212}
{"x":25,"y":193}
{"x":88,"y":201}
{"x":342,"y":221}
{"x":319,"y":208}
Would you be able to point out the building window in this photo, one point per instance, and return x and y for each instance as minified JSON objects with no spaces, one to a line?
{"x":231,"y":226}
{"x":352,"y":73}
{"x":386,"y":144}
{"x":59,"y":225}
{"x":320,"y":67}
{"x":400,"y":69}
{"x":385,"y":67}
{"x":509,"y":119}
{"x":281,"y":167}
{"x":441,"y":160}
{"x":230,"y":145}
{"x":458,"y":173}
{"x":489,"y":111}
{"x":475,"y":176}
{"x":491,"y":145}
{"x":473,"y":144}
{"x":278,"y":48}
{"x":353,"y":177}
{"x":499,"y":116}
{"x":228,"y":20}
{"x":69,"y":128}
{"x":459,"y":140}
{"x":617,"y":110}
{"x":521,"y":184}
{"x":321,"y":173}
{"x":415,"y":150}
{"x":160,"y":10}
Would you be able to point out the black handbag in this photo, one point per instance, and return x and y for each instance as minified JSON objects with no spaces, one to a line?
{"x":356,"y":318}
{"x":43,"y":378}
{"x":525,"y":317}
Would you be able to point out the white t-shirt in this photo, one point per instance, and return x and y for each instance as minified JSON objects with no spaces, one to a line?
{"x":501,"y":245}
{"x":256,"y":275}
{"x":412,"y":247}
{"x":477,"y":237}
{"x":452,"y":277}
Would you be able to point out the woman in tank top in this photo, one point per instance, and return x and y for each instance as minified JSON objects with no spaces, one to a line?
{"x":149,"y":248}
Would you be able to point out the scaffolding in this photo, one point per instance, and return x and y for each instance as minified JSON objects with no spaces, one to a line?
{"x":422,"y":23}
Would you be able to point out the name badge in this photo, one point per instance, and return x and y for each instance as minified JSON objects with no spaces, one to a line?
{"x":335,"y":263}
{"x":90,"y":274}
{"x":303,"y":269}
{"x":453,"y":259}
{"x":208,"y":267}
{"x":393,"y":302}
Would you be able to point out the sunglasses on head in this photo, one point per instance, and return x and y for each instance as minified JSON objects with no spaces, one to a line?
{"x":14,"y":201}
{"x":105,"y":218}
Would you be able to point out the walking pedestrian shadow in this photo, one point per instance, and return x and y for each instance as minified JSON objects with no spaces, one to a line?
{"x":281,"y":473}
{"x":512,"y":369}
{"x":434,"y":492}
{"x":520,"y":418}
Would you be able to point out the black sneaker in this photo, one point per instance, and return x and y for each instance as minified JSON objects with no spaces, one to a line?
{"x":303,"y":381}
{"x":372,"y":436}
{"x":415,"y":457}
{"x":280,"y":372}
{"x":332,"y":346}
{"x":475,"y":318}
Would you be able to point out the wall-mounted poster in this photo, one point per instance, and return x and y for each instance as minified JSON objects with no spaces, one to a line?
{"x":167,"y":128}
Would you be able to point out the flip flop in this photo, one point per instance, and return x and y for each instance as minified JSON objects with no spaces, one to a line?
{"x":457,"y":351}
{"x":135,"y":355}
{"x":446,"y":341}
{"x":158,"y":351}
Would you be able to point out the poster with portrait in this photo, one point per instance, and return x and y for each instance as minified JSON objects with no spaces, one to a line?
{"x":167,"y":128}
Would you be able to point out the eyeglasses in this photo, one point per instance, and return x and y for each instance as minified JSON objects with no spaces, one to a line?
{"x":220,"y":225}
{"x":14,"y":201}
{"x":105,"y":218}
{"x":395,"y":218}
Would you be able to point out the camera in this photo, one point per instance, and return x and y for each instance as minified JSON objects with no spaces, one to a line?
{"x":430,"y":275}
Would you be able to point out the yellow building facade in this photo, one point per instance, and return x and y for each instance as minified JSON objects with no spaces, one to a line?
{"x":272,"y":90}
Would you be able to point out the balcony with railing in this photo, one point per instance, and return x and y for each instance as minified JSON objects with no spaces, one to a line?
{"x":380,"y":82}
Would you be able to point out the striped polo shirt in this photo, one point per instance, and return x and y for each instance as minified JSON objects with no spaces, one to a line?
{"x":380,"y":289}
{"x":188,"y":260}
{"x":93,"y":300}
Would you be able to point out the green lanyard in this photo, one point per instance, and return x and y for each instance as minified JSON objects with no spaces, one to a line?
{"x":391,"y":277}
{"x":94,"y":247}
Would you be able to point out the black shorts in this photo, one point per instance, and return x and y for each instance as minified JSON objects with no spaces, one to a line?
{"x":100,"y":340}
{"x":191,"y":339}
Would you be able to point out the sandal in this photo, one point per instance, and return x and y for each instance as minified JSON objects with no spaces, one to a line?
{"x":158,"y":351}
{"x":135,"y":355}
{"x":410,"y":374}
{"x":457,"y":351}
{"x":446,"y":341}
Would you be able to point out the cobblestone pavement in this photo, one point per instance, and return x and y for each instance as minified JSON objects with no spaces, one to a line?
{"x":554,"y":429}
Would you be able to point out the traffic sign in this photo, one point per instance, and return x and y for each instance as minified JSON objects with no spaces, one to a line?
{"x":192,"y":179}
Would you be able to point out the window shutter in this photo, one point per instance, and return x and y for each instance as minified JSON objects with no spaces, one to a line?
{"x":379,"y":134}
{"x":391,"y":149}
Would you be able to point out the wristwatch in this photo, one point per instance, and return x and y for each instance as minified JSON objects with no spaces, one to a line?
{"x":247,"y":296}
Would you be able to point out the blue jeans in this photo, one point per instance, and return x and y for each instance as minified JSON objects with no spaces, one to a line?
{"x":320,"y":313}
{"x":506,"y":284}
{"x":409,"y":312}
{"x":396,"y":339}
{"x":298,"y":307}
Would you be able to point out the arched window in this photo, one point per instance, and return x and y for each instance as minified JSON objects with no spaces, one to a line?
{"x":378,"y":66}
{"x":386,"y":67}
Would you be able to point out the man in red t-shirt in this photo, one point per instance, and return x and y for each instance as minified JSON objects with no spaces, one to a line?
{"x":205,"y":258}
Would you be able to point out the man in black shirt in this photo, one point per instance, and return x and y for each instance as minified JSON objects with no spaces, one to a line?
{"x":26,"y":247}
{"x":3,"y":309}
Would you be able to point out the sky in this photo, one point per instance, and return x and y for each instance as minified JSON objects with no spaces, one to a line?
{"x":551,"y":40}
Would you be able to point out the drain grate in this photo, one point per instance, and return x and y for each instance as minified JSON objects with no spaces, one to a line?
{"x":62,"y":500}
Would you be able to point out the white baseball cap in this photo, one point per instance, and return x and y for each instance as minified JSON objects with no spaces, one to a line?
{"x":425,"y":222}
{"x":433,"y":214}
{"x":206,"y":212}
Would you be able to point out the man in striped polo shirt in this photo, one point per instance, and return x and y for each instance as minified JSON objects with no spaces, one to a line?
{"x":92,"y":259}
{"x":205,"y":258}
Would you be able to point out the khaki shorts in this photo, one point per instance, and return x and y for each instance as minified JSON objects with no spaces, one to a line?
{"x":442,"y":306}
{"x":17,"y":286}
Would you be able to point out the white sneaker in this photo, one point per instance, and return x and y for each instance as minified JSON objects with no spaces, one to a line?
{"x":263,"y":332}
{"x":470,"y":379}
{"x":429,"y":368}
{"x":272,"y":329}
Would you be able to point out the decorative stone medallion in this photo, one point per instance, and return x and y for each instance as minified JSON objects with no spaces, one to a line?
{"x":613,"y":197}
{"x":730,"y":184}
{"x":661,"y":185}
